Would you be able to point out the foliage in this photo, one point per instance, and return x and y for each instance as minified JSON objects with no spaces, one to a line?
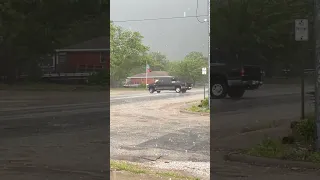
{"x":300,"y":148}
{"x":159,"y":61}
{"x":260,"y":31}
{"x":305,"y":130}
{"x":100,"y":78}
{"x":204,"y":103}
{"x":127,"y":52}
{"x":30,"y":29}
{"x":129,"y":57}
{"x":273,"y":148}
{"x":189,"y":69}
{"x":202,"y":107}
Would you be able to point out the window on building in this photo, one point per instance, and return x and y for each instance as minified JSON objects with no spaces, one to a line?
{"x":62,"y":56}
{"x":103,"y":57}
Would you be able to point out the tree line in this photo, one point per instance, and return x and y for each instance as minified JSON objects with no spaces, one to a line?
{"x":31,"y":29}
{"x":262,"y":32}
{"x":129,"y":56}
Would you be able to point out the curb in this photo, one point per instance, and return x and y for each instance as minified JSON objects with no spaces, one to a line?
{"x":262,"y":161}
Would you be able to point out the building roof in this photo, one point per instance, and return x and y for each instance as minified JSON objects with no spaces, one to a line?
{"x":96,"y":44}
{"x":152,"y":74}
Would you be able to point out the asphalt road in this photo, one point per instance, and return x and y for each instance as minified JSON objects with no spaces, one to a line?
{"x":70,"y":122}
{"x":54,"y":135}
{"x":146,"y":96}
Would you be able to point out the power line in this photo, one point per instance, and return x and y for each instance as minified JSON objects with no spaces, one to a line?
{"x":162,"y":18}
{"x":197,"y":12}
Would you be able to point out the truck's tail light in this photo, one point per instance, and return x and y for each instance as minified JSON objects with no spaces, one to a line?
{"x":242,"y":72}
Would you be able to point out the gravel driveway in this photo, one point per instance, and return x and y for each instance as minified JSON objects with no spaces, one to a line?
{"x":158,"y":134}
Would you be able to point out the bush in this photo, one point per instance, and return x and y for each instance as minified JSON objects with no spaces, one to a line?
{"x":204,"y":103}
{"x":305,"y":130}
{"x":101,"y":78}
{"x":142,"y":86}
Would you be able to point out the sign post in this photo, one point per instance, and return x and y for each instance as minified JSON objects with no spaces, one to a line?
{"x":302,"y":34}
{"x":204,"y":72}
{"x":316,"y":15}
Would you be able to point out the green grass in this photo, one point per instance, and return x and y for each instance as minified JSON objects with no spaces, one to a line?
{"x":135,"y":169}
{"x":202,"y":107}
{"x":298,"y":145}
{"x":195,"y":108}
{"x":52,"y":87}
{"x":273,"y":148}
{"x":123,"y":166}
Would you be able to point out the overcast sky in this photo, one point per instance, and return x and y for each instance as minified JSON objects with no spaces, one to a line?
{"x":174,"y":38}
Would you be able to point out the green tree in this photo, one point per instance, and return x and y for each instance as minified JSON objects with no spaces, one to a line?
{"x":127,"y":53}
{"x":159,"y":61}
{"x":30,"y":29}
{"x":260,"y":31}
{"x":189,"y":69}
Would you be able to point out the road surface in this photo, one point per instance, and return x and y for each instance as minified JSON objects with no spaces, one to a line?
{"x":54,"y":135}
{"x":155,"y":131}
{"x":64,"y":135}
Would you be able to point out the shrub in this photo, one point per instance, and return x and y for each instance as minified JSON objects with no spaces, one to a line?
{"x":305,"y":130}
{"x":99,"y":78}
{"x":204,"y":103}
{"x":142,"y":86}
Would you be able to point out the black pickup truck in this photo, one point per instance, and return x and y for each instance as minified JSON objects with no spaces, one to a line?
{"x":171,"y":84}
{"x":230,"y":76}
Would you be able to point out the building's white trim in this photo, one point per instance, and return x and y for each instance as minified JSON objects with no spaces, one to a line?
{"x":149,"y":77}
{"x":80,"y":50}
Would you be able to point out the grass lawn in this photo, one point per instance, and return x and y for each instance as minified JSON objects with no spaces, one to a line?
{"x":297,"y":146}
{"x":135,"y":172}
{"x":202,"y":107}
{"x":52,"y":87}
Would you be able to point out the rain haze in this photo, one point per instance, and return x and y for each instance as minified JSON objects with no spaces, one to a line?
{"x":174,"y":37}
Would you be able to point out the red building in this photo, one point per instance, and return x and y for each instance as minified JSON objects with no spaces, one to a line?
{"x":89,"y":56}
{"x":150,"y":78}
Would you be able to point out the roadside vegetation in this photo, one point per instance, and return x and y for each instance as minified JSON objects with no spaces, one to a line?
{"x":298,"y":146}
{"x":202,"y":107}
{"x":136,"y":170}
{"x":42,"y":86}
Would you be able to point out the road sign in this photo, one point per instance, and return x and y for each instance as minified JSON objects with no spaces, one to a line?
{"x":301,"y":30}
{"x":204,"y":71}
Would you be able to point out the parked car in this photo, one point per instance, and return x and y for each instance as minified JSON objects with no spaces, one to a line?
{"x":170,"y":84}
{"x":229,"y":76}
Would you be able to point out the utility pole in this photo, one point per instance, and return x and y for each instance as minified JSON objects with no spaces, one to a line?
{"x":209,"y":52}
{"x":316,"y":36}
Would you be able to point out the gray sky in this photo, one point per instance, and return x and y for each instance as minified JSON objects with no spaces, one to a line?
{"x":174,"y":38}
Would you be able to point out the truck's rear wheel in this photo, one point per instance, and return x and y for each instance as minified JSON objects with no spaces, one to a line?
{"x":236,"y":92}
{"x":218,"y":89}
